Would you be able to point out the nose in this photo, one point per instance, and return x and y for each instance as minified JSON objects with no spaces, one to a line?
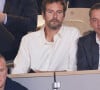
{"x":55,"y":14}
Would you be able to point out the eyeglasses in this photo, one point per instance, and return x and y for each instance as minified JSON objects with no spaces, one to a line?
{"x":51,"y":12}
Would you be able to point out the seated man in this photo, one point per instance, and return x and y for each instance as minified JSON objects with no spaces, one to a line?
{"x":18,"y":17}
{"x":88,"y":54}
{"x":5,"y":82}
{"x":53,"y":48}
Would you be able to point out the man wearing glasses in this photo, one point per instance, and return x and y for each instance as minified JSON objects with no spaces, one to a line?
{"x":53,"y":48}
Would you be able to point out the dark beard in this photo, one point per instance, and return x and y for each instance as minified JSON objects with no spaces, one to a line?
{"x":54,"y":27}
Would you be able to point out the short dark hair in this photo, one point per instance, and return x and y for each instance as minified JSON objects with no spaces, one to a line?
{"x":45,"y":2}
{"x":95,"y":6}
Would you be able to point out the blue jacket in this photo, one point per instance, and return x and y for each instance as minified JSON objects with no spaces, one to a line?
{"x":88,"y":52}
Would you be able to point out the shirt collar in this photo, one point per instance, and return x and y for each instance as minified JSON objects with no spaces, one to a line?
{"x":56,"y":37}
{"x":97,"y":40}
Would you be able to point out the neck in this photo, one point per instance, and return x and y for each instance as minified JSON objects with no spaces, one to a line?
{"x":98,"y":35}
{"x":49,"y":34}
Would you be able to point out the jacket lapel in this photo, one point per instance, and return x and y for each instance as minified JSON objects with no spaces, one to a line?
{"x":7,"y":7}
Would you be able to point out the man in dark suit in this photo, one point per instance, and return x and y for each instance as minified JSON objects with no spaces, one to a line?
{"x":88,"y":54}
{"x":18,"y":17}
{"x":5,"y":82}
{"x":82,"y":3}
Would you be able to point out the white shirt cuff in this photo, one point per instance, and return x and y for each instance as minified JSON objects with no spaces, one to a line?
{"x":5,"y":20}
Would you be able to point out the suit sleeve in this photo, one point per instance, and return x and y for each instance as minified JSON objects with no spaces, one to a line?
{"x":26,"y":20}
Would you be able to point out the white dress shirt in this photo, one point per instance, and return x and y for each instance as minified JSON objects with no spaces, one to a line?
{"x":98,"y":42}
{"x":38,"y":54}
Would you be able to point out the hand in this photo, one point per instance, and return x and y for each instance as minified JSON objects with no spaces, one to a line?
{"x":2,"y":17}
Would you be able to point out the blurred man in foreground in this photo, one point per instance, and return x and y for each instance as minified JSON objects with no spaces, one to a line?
{"x":5,"y":82}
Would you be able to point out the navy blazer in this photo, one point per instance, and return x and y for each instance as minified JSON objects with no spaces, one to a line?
{"x":21,"y":16}
{"x":39,"y":4}
{"x":12,"y":85}
{"x":88,"y":52}
{"x":21,"y":19}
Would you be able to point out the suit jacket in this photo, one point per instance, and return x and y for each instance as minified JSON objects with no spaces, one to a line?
{"x":39,"y":4}
{"x":21,"y":18}
{"x":88,"y":52}
{"x":82,"y":3}
{"x":12,"y":85}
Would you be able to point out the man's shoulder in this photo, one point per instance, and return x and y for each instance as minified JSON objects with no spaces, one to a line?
{"x":32,"y":35}
{"x":71,"y":29}
{"x":71,"y":32}
{"x":13,"y":85}
{"x":90,"y":36}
